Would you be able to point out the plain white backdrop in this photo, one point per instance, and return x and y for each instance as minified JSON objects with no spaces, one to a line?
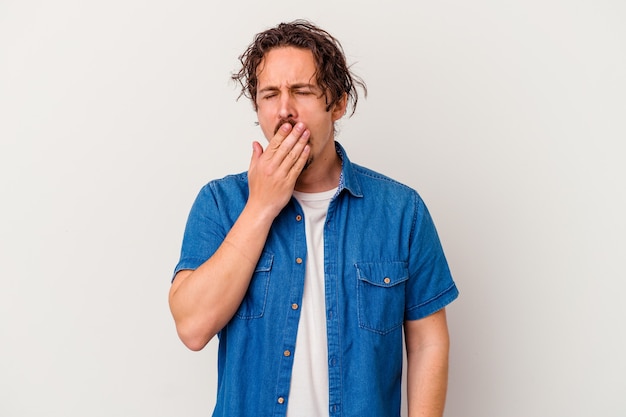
{"x":509,"y":118}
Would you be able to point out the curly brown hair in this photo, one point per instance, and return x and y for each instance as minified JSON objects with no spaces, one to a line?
{"x":333,"y":75}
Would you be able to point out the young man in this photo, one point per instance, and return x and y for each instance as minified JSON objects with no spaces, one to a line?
{"x":307,"y":266}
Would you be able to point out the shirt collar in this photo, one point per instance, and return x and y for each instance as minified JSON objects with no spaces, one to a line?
{"x":348,"y":179}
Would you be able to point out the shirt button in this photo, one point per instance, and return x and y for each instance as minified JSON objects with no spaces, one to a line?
{"x":294,"y":306}
{"x":287,"y":353}
{"x":298,"y":217}
{"x":281,"y":400}
{"x":298,"y":260}
{"x":387,"y":280}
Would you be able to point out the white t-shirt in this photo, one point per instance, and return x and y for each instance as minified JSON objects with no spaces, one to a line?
{"x":308,"y":395}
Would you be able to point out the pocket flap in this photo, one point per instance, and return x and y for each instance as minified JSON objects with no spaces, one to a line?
{"x":265,"y":262}
{"x":382,"y":274}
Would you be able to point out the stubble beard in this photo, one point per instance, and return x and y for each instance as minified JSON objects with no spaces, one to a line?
{"x":307,"y":164}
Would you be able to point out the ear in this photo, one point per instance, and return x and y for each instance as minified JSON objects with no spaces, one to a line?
{"x":339,"y":108}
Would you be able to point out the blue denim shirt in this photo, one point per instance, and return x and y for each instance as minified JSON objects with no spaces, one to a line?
{"x":383,"y":264}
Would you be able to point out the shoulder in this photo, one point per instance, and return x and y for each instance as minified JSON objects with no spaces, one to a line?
{"x":227,"y":183}
{"x":361,"y":181}
{"x":229,"y":189}
{"x":372,"y":181}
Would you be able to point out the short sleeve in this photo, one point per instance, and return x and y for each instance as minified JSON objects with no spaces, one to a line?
{"x":430,"y":286}
{"x":204,"y":233}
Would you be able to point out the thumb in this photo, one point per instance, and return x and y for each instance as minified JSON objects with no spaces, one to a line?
{"x":257,"y":151}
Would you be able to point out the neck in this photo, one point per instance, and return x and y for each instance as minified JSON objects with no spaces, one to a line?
{"x":322,"y":175}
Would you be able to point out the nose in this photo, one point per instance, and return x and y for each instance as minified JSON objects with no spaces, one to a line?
{"x":287,"y":108}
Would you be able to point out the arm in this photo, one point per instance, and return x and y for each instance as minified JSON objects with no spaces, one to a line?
{"x":427,"y":345}
{"x":202,"y":301}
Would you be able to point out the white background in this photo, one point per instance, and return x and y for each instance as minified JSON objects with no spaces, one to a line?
{"x":507,"y":116}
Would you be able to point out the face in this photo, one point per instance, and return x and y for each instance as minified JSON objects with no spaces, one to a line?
{"x":287,"y":91}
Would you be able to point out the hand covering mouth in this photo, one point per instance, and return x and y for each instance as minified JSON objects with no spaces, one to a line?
{"x":282,"y":122}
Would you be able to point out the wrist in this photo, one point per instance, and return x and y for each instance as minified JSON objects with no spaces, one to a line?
{"x":260,"y":214}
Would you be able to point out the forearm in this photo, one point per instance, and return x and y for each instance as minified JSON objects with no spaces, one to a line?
{"x":427,"y":381}
{"x":203,"y":301}
{"x":427,"y":347}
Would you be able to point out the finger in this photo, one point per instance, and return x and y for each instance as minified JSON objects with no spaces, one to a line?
{"x":282,"y":144}
{"x":280,"y":136}
{"x":294,"y":153}
{"x":290,"y":140}
{"x":257,"y":150}
{"x":288,"y":143}
{"x":301,"y":162}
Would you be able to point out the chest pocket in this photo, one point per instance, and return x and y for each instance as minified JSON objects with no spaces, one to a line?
{"x":380,"y":295}
{"x":253,"y":304}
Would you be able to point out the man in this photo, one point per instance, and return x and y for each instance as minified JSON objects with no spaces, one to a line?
{"x":308,"y":267}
